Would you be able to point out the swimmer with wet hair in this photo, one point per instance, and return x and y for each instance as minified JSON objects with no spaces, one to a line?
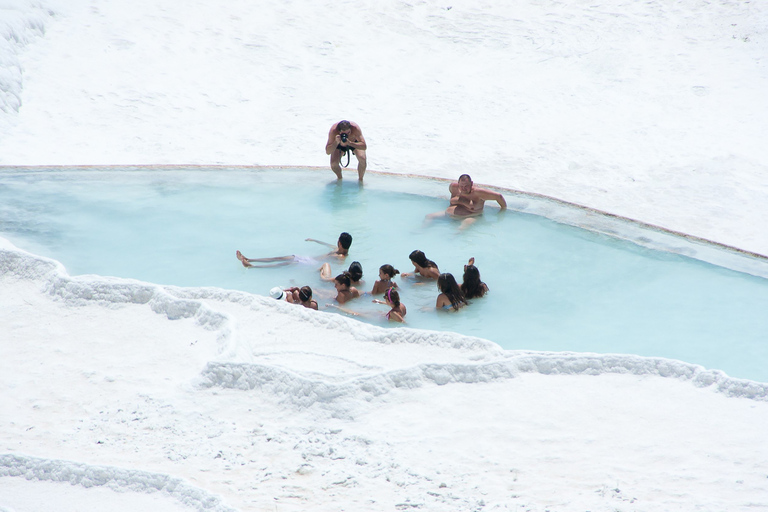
{"x":345,"y":290}
{"x":302,"y":296}
{"x":341,"y":249}
{"x":423,"y":267}
{"x":385,"y":282}
{"x":451,"y":296}
{"x":392,"y":299}
{"x":473,"y":287}
{"x":355,"y":272}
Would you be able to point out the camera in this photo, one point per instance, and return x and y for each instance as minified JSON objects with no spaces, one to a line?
{"x":343,"y":137}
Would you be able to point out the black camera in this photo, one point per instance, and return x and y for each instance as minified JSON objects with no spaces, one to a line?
{"x":343,"y":137}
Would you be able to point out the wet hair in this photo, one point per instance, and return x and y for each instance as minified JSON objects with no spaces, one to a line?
{"x":448,"y":285}
{"x":344,"y":125}
{"x":393,"y":297}
{"x":465,"y":176}
{"x":355,"y":270}
{"x":305,"y":294}
{"x":472,"y":286}
{"x":344,"y":278}
{"x":389,"y":270}
{"x":421,"y":260}
{"x":345,"y":239}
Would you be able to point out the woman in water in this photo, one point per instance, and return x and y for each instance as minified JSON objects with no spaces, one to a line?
{"x":473,"y":287}
{"x":355,"y":271}
{"x":423,"y":266}
{"x":302,"y":296}
{"x":345,"y":290}
{"x":392,"y":299}
{"x":385,"y":282}
{"x":451,"y":296}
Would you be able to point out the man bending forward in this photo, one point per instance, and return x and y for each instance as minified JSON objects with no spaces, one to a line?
{"x":346,"y":136}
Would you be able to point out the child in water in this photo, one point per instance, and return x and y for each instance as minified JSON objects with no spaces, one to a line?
{"x":385,"y":282}
{"x":345,"y":290}
{"x":473,"y":287}
{"x":392,"y":299}
{"x":451,"y":296}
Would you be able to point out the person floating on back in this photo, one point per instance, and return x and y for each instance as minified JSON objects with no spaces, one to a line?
{"x":346,"y":136}
{"x":341,"y":249}
{"x":468,"y":201}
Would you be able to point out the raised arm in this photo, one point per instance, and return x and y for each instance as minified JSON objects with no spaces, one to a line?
{"x":320,"y":242}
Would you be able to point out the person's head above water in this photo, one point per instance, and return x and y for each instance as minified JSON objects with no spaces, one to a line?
{"x":465,"y":183}
{"x":420,"y":259}
{"x":393,"y":297}
{"x":472,"y":286}
{"x":345,"y":240}
{"x":343,"y":279}
{"x":355,"y":271}
{"x":447,"y":284}
{"x":388,"y":270}
{"x":305,"y":294}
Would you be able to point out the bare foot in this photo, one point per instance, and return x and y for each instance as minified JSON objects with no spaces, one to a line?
{"x":243,"y":259}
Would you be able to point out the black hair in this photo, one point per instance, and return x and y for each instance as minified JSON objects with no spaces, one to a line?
{"x":355,"y":270}
{"x":472,"y":286}
{"x":344,"y":278}
{"x":389,"y":270}
{"x":465,"y":176}
{"x":345,"y":239}
{"x":344,"y":125}
{"x":421,"y":260}
{"x":450,"y":288}
{"x":393,"y":296}
{"x":305,"y":294}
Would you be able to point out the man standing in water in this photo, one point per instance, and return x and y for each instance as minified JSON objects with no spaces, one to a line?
{"x":468,"y":201}
{"x":346,"y":136}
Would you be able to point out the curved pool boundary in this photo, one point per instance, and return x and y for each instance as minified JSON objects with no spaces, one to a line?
{"x":558,"y":210}
{"x":483,"y":360}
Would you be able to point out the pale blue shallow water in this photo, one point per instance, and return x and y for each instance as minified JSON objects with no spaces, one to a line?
{"x":553,"y":286}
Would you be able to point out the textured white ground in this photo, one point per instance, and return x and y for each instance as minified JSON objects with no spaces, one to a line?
{"x":126,"y":396}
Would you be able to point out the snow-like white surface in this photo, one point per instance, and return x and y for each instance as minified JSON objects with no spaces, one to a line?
{"x":114,"y":392}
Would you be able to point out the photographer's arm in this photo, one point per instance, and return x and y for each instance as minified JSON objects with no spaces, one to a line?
{"x":333,"y":141}
{"x":358,"y":144}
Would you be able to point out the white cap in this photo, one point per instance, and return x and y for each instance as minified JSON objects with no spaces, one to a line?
{"x":277,"y":293}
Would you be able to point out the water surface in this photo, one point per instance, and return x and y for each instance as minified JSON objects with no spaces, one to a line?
{"x":553,"y":286}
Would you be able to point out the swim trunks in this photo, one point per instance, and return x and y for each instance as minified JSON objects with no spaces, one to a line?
{"x":305,"y":260}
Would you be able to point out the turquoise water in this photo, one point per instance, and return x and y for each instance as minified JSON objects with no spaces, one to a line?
{"x":553,"y":286}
